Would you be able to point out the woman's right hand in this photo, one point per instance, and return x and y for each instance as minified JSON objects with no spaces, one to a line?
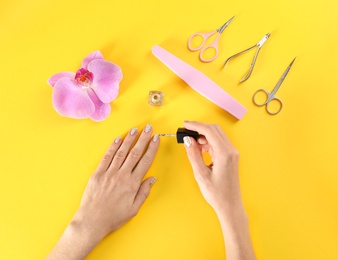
{"x":218,"y":182}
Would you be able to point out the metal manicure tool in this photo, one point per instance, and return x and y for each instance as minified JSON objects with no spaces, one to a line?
{"x":182,"y":132}
{"x":271,"y":96}
{"x":252,"y":65}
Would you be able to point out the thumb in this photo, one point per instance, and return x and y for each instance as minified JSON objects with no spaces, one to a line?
{"x":194,"y":155}
{"x":143,"y":192}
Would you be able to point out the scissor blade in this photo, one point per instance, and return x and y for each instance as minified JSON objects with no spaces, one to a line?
{"x":279,"y":83}
{"x":221,"y":29}
{"x":292,"y":63}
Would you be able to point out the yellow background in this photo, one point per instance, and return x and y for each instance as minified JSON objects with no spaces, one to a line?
{"x":288,"y":167}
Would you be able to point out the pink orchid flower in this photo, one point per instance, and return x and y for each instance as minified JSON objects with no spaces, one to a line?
{"x":89,"y":91}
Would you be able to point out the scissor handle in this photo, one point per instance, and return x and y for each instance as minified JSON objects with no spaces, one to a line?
{"x":213,"y":45}
{"x":205,"y":36}
{"x":269,"y":98}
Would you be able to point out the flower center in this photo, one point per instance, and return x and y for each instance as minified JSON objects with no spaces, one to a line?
{"x":84,"y":78}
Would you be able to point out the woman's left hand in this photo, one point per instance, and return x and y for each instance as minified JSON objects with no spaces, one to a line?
{"x":114,"y":194}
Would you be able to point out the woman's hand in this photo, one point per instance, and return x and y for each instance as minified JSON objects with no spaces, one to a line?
{"x":219,"y":181}
{"x":114,"y":194}
{"x":219,"y":184}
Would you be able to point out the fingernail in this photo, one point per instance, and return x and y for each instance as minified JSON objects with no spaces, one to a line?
{"x":187,"y":141}
{"x":147,"y":128}
{"x":155,"y":137}
{"x":152,"y":181}
{"x":117,"y":140}
{"x":133,"y":131}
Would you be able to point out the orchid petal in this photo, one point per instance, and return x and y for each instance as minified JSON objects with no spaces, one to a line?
{"x":53,"y":79}
{"x":96,"y":55}
{"x":107,"y":77}
{"x":71,"y":100}
{"x":102,"y":110}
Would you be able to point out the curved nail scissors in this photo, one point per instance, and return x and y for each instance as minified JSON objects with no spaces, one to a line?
{"x":271,"y":96}
{"x":205,"y":37}
{"x":252,"y":65}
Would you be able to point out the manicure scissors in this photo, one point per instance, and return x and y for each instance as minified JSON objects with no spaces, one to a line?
{"x":271,"y":96}
{"x":205,"y":37}
{"x":252,"y":65}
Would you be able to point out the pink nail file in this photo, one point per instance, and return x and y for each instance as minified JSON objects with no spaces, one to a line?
{"x":200,"y":82}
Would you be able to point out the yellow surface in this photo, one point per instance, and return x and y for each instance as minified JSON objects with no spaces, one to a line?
{"x":288,"y":167}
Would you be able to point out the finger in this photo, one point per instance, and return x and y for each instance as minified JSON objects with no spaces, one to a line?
{"x":210,"y":131}
{"x":123,"y":151}
{"x":213,"y":134}
{"x":204,"y":145}
{"x":206,"y":148}
{"x":137,"y":151}
{"x":220,"y":147}
{"x":147,"y":159}
{"x":202,"y":139}
{"x":143,"y":192}
{"x":108,"y":157}
{"x":195,"y":157}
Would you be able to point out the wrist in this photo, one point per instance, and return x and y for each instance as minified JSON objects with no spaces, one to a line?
{"x":232,"y":220}
{"x":75,"y":243}
{"x":84,"y":231}
{"x":235,"y":229}
{"x":81,"y":235}
{"x":231,"y":211}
